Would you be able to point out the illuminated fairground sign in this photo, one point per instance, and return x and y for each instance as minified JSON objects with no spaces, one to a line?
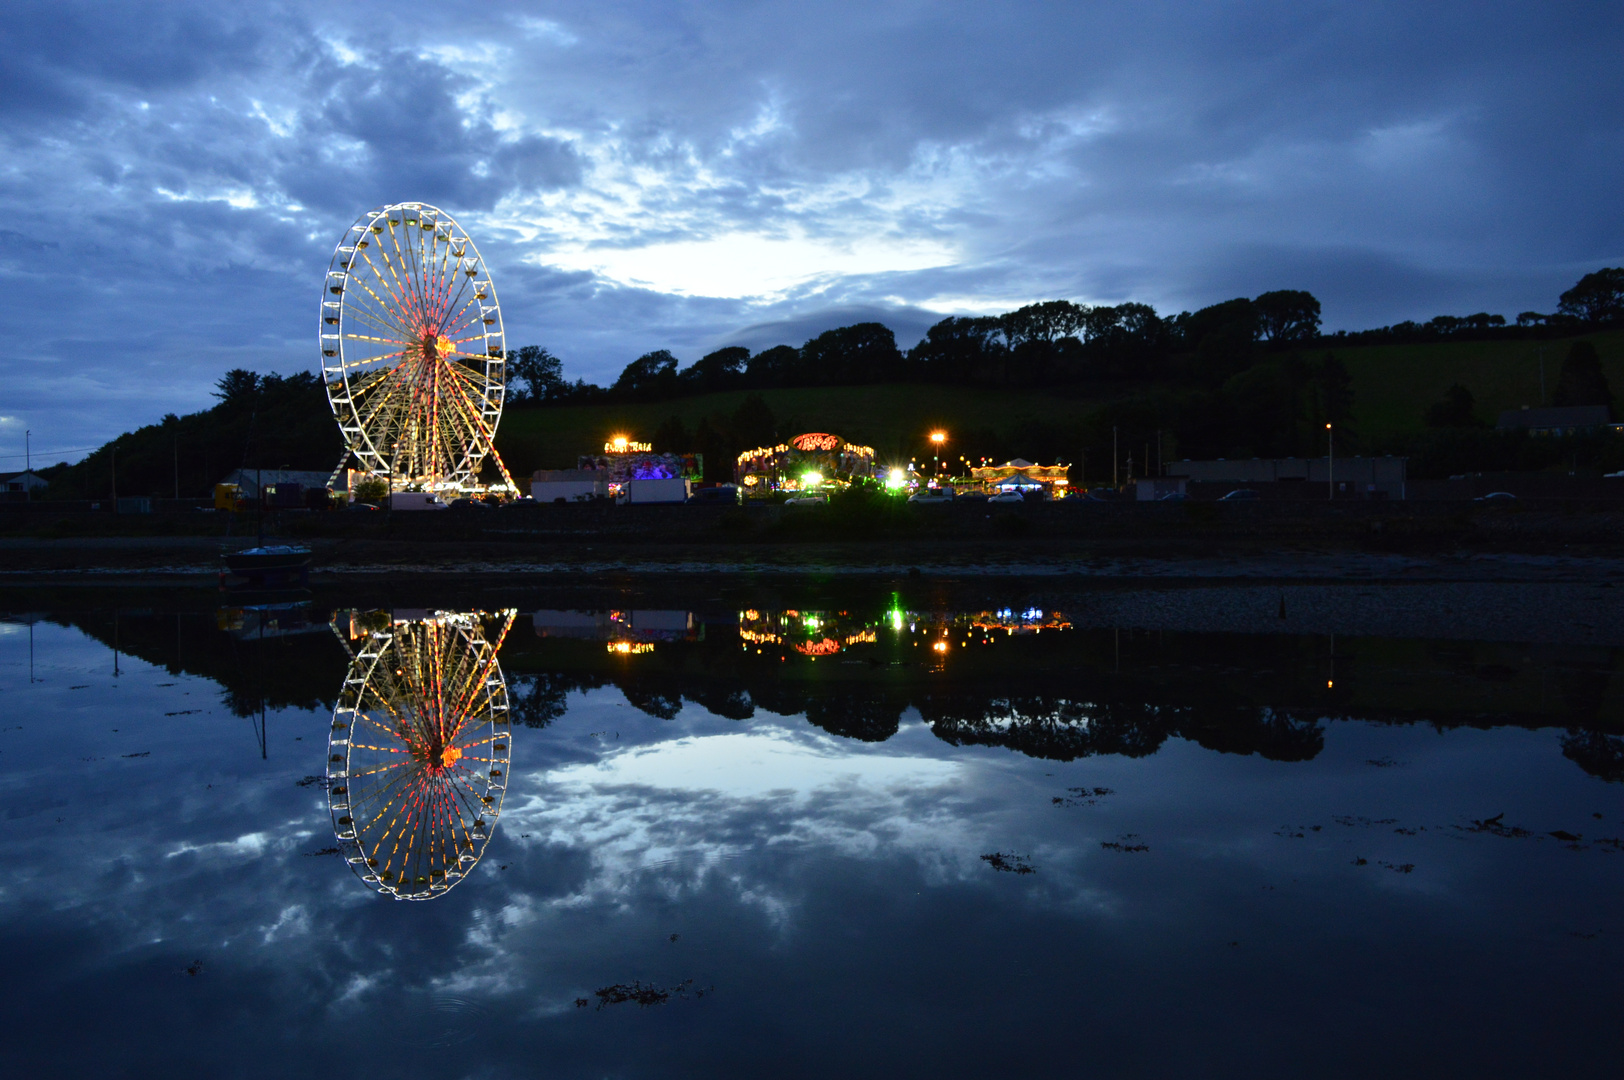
{"x":620,"y":444}
{"x":817,"y":440}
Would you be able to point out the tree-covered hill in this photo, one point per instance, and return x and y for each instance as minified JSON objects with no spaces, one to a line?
{"x":1248,"y":377}
{"x":268,"y":421}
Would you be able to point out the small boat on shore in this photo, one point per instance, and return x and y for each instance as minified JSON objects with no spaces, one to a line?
{"x":268,"y":566}
{"x":268,"y":558}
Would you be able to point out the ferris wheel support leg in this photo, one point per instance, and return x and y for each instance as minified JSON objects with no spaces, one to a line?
{"x":490,"y":441}
{"x":338,"y":470}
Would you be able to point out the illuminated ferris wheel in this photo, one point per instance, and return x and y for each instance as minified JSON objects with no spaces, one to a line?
{"x":412,"y":349}
{"x":417,"y":760}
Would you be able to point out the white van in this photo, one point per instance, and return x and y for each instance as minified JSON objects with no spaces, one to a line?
{"x":655,"y":491}
{"x":416,"y":500}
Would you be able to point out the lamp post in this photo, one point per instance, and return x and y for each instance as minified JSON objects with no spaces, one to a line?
{"x":937,"y":438}
{"x":1330,"y":463}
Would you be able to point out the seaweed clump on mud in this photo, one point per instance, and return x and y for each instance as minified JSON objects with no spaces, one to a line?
{"x":1009,"y":863}
{"x":640,"y":993}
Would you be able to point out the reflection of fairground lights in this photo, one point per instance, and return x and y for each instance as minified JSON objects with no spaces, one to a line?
{"x":630,"y":648}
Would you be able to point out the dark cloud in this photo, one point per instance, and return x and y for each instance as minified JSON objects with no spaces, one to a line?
{"x":908,"y":324}
{"x":193,"y":164}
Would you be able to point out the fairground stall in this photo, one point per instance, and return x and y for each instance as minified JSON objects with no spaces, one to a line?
{"x":623,"y":459}
{"x":814,"y":462}
{"x":1021,"y":475}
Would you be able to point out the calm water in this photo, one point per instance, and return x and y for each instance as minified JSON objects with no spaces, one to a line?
{"x":790,"y":832}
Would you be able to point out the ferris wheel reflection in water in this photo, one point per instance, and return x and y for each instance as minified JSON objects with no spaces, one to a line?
{"x":418,"y":753}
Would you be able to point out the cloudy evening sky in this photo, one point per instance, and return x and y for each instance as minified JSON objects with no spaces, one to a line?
{"x":692,"y":175}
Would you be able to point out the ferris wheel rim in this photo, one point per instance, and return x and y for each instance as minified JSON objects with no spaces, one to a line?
{"x":408,"y":359}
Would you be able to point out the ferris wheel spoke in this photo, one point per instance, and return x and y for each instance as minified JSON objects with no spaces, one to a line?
{"x":373,"y":308}
{"x":383,"y":322}
{"x":452,"y":290}
{"x":481,"y":432}
{"x":462,"y":311}
{"x":377,"y":802}
{"x":380,"y":750}
{"x":400,"y":289}
{"x":393,"y":386}
{"x":411,"y":286}
{"x":445,"y":259}
{"x":384,"y":305}
{"x":430,"y":274}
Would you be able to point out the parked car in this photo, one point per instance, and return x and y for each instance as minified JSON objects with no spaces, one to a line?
{"x":1007,"y":497}
{"x":363,"y":506}
{"x":1241,"y":495}
{"x":806,"y":500}
{"x":1174,"y":496}
{"x":1103,"y":495}
{"x":726,"y":495}
{"x":467,"y":505}
{"x":1496,"y":496}
{"x":972,"y":496}
{"x":931,"y":495}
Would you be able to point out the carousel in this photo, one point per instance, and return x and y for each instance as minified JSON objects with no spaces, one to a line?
{"x":1021,"y":475}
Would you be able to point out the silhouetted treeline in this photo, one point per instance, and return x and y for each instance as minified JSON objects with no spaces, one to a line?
{"x":261,"y":421}
{"x":1245,"y":377}
{"x":1055,"y":343}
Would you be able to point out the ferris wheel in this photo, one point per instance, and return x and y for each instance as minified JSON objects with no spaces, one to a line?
{"x":417,"y":758}
{"x":412,"y":349}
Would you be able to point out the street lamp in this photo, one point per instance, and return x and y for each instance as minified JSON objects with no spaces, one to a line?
{"x":937,"y":438}
{"x":1330,"y":463}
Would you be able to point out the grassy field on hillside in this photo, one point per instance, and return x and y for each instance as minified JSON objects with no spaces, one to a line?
{"x":884,"y":417}
{"x":1392,"y":385}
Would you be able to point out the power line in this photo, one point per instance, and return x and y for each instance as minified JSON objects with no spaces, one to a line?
{"x":48,"y":453}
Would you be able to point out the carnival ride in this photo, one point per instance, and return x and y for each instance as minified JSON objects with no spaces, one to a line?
{"x":419,"y":747}
{"x":412,"y":351}
{"x":809,"y":462}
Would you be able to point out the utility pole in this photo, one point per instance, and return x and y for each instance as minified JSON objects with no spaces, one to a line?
{"x":28,"y":475}
{"x":177,"y":467}
{"x":112,"y":471}
{"x":1330,"y":463}
{"x":28,"y":456}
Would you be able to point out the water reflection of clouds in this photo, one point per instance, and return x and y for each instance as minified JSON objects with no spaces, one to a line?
{"x":783,"y":849}
{"x":688,"y":812}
